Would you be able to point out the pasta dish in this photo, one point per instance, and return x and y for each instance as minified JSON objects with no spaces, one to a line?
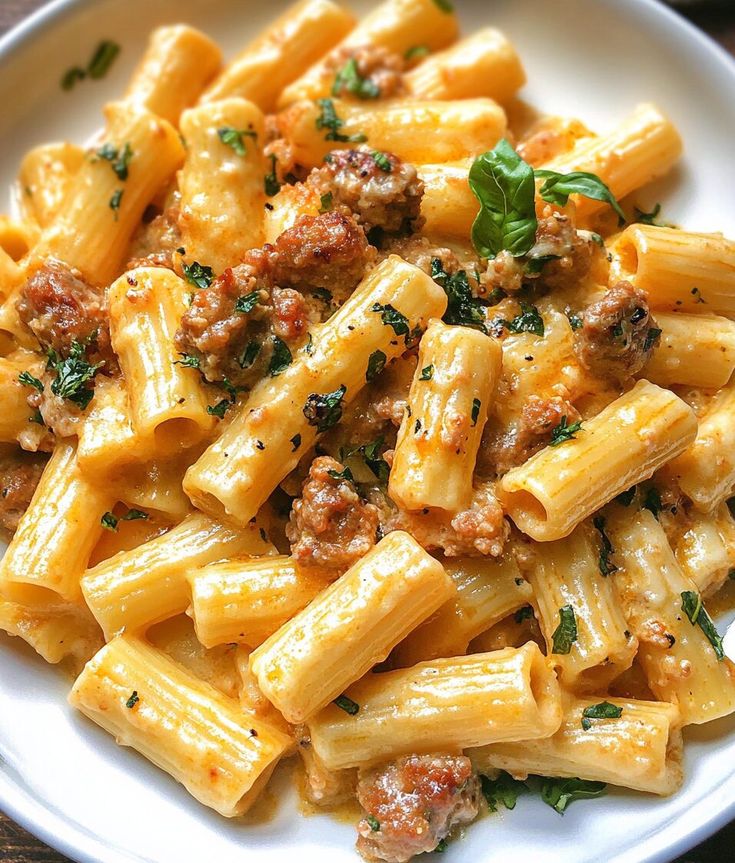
{"x":358,"y":417}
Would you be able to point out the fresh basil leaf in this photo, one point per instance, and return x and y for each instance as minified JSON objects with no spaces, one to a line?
{"x":603,"y":710}
{"x":557,"y":188}
{"x":559,"y":793}
{"x":504,"y":789}
{"x":565,"y":633}
{"x":504,"y":185}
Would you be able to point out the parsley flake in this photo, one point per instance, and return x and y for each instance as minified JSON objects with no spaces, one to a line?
{"x":133,"y":700}
{"x":376,"y":364}
{"x":28,"y":380}
{"x":427,"y":373}
{"x":198,"y":275}
{"x":565,"y":633}
{"x":247,"y":302}
{"x":559,"y":793}
{"x":281,"y":357}
{"x":349,"y":79}
{"x":463,"y":308}
{"x":233,"y":138}
{"x":691,"y":605}
{"x":329,"y":120}
{"x":324,"y":411}
{"x":603,"y":710}
{"x":476,"y":405}
{"x":564,"y":432}
{"x":391,"y":317}
{"x":607,"y":567}
{"x":347,"y":704}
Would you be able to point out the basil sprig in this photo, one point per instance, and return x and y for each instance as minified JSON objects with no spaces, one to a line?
{"x":505,"y":186}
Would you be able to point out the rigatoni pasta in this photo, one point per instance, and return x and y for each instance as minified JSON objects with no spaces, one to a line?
{"x":339,"y":419}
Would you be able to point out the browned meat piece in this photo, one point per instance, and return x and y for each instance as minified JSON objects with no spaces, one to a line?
{"x":618,"y":333}
{"x":380,"y":190}
{"x":217,"y":334}
{"x":19,"y":475}
{"x":420,"y":252}
{"x":290,"y":314}
{"x":155,"y":241}
{"x":330,"y":524}
{"x":413,"y":803}
{"x":367,"y":72}
{"x":479,"y":530}
{"x":560,"y":257}
{"x":504,"y":449}
{"x":60,"y":309}
{"x":329,"y":251}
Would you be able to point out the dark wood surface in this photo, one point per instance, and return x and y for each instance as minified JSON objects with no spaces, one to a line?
{"x":18,"y":846}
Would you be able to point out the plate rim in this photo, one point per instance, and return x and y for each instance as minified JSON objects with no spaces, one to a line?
{"x":38,"y":818}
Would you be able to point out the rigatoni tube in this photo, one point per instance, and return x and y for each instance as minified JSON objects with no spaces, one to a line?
{"x":167,"y":401}
{"x":678,"y":658}
{"x":415,"y":131}
{"x":245,"y":601}
{"x":641,"y":148}
{"x":448,"y":205}
{"x":484,"y":64}
{"x":396,"y":25}
{"x":439,"y":706}
{"x":448,"y":404}
{"x":182,"y":724}
{"x":350,"y":626}
{"x":44,"y":178}
{"x":221,"y":183}
{"x":638,"y":747}
{"x":576,"y":573}
{"x":679,"y":270}
{"x":137,"y":588}
{"x":282,"y":417}
{"x":695,"y":351}
{"x":488,"y":589}
{"x":56,"y":534}
{"x":705,"y":471}
{"x":178,"y":63}
{"x":96,"y":220}
{"x":625,"y":443}
{"x":282,"y":53}
{"x":706,"y":550}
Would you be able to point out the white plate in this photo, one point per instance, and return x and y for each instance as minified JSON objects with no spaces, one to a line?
{"x":63,"y":778}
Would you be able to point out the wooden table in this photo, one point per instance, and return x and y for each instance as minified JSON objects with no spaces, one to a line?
{"x":18,"y":846}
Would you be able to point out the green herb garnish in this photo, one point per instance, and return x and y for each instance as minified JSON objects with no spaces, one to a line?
{"x":565,"y":633}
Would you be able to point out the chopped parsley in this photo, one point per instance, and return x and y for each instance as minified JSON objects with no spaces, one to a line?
{"x":188,"y":360}
{"x":350,"y":80}
{"x":382,"y":161}
{"x":476,"y":405}
{"x":98,"y":66}
{"x":427,"y":373}
{"x":559,"y":793}
{"x":281,"y":357}
{"x":340,"y":475}
{"x":119,"y":159}
{"x":270,"y":181}
{"x":234,"y":138}
{"x":198,"y":275}
{"x":72,"y":375}
{"x":463,"y":308}
{"x":247,"y":302}
{"x":607,"y":567}
{"x":652,"y":501}
{"x":525,"y":613}
{"x":326,"y":202}
{"x":324,"y":411}
{"x":133,"y":700}
{"x":372,"y":822}
{"x":691,"y":605}
{"x":391,"y":317}
{"x":28,"y":380}
{"x":347,"y":704}
{"x":527,"y":321}
{"x":503,"y":789}
{"x":603,"y":710}
{"x":376,"y":364}
{"x":102,"y":59}
{"x":329,"y":120}
{"x":220,"y":409}
{"x":565,"y":633}
{"x":249,"y":355}
{"x":564,"y":432}
{"x":370,"y":453}
{"x":110,"y":521}
{"x":115,"y":201}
